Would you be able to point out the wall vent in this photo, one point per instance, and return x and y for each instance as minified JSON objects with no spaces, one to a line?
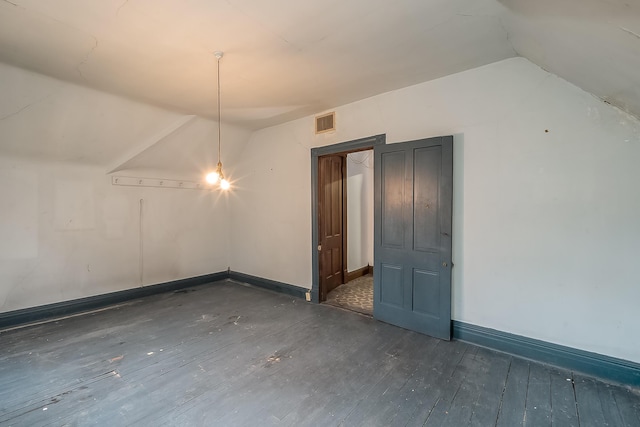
{"x":326,"y":122}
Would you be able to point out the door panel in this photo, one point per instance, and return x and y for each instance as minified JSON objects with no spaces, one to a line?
{"x":426,"y":186}
{"x":426,"y":292}
{"x":392,"y":295}
{"x":412,"y":268}
{"x":331,"y":222}
{"x":393,"y":200}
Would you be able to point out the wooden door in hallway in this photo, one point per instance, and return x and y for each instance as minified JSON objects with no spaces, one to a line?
{"x":331,"y":222}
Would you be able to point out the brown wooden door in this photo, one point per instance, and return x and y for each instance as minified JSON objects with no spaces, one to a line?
{"x":331,"y":222}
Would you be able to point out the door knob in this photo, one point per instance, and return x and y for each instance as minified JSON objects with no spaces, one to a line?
{"x":444,"y":264}
{"x":319,"y":247}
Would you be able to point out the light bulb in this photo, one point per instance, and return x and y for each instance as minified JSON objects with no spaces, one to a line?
{"x":224,"y":184}
{"x":212,"y":177}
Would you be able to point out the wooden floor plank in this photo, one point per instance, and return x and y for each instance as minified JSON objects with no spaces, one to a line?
{"x":335,"y":395}
{"x":460,"y":409}
{"x":563,"y":402}
{"x":492,"y":383}
{"x":433,"y":383}
{"x":589,"y":406}
{"x":606,"y":393}
{"x":628,"y":404}
{"x":382,"y":401}
{"x":441,"y":411}
{"x":514,"y":397}
{"x":228,"y":354}
{"x":414,"y":393}
{"x":538,"y":404}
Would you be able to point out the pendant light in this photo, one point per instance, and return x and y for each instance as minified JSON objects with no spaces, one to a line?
{"x":217,"y":177}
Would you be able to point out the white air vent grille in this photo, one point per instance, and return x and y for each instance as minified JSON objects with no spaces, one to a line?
{"x":326,"y":122}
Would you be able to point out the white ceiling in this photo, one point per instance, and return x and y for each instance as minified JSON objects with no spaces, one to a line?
{"x":285,"y":59}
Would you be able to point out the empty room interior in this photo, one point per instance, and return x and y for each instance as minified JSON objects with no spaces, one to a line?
{"x":358,"y":213}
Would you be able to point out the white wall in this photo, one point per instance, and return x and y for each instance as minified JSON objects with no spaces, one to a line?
{"x":359,"y":209}
{"x":65,"y":231}
{"x":546,"y":230}
{"x":68,"y":233}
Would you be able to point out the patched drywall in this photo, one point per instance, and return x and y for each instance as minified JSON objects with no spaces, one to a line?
{"x":546,"y":236}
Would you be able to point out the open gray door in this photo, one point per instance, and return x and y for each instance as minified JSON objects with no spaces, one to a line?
{"x":412,"y":237}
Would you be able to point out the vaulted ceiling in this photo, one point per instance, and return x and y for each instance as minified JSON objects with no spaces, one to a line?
{"x":285,"y":59}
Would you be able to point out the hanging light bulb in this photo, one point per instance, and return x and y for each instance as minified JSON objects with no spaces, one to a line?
{"x":217,"y":176}
{"x":212,"y":177}
{"x":224,"y":184}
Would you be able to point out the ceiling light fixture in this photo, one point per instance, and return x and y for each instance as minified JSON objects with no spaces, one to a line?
{"x":217,"y":176}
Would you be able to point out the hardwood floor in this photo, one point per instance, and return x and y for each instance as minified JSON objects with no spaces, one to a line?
{"x":229,"y":354}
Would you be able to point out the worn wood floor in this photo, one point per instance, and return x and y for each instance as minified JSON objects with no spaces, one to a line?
{"x":228,"y":354}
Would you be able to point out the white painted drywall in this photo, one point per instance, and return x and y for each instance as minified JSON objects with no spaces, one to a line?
{"x":65,"y":231}
{"x":546,"y":230}
{"x":78,"y":235}
{"x":359,"y":209}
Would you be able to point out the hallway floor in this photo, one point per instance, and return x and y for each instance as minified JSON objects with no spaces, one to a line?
{"x":356,"y":295}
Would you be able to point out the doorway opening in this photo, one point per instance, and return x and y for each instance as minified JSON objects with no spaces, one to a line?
{"x":413,"y":195}
{"x":342,"y":191}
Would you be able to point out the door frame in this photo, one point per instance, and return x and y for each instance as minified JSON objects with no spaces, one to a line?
{"x":339,"y":148}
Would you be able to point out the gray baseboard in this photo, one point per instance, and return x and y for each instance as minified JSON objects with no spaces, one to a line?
{"x":273,"y":285}
{"x":65,"y":308}
{"x":598,"y":365}
{"x":594,"y":364}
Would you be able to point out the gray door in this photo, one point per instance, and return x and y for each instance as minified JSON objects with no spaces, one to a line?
{"x":412,"y":237}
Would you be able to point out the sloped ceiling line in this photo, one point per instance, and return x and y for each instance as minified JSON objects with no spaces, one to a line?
{"x":145,"y":145}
